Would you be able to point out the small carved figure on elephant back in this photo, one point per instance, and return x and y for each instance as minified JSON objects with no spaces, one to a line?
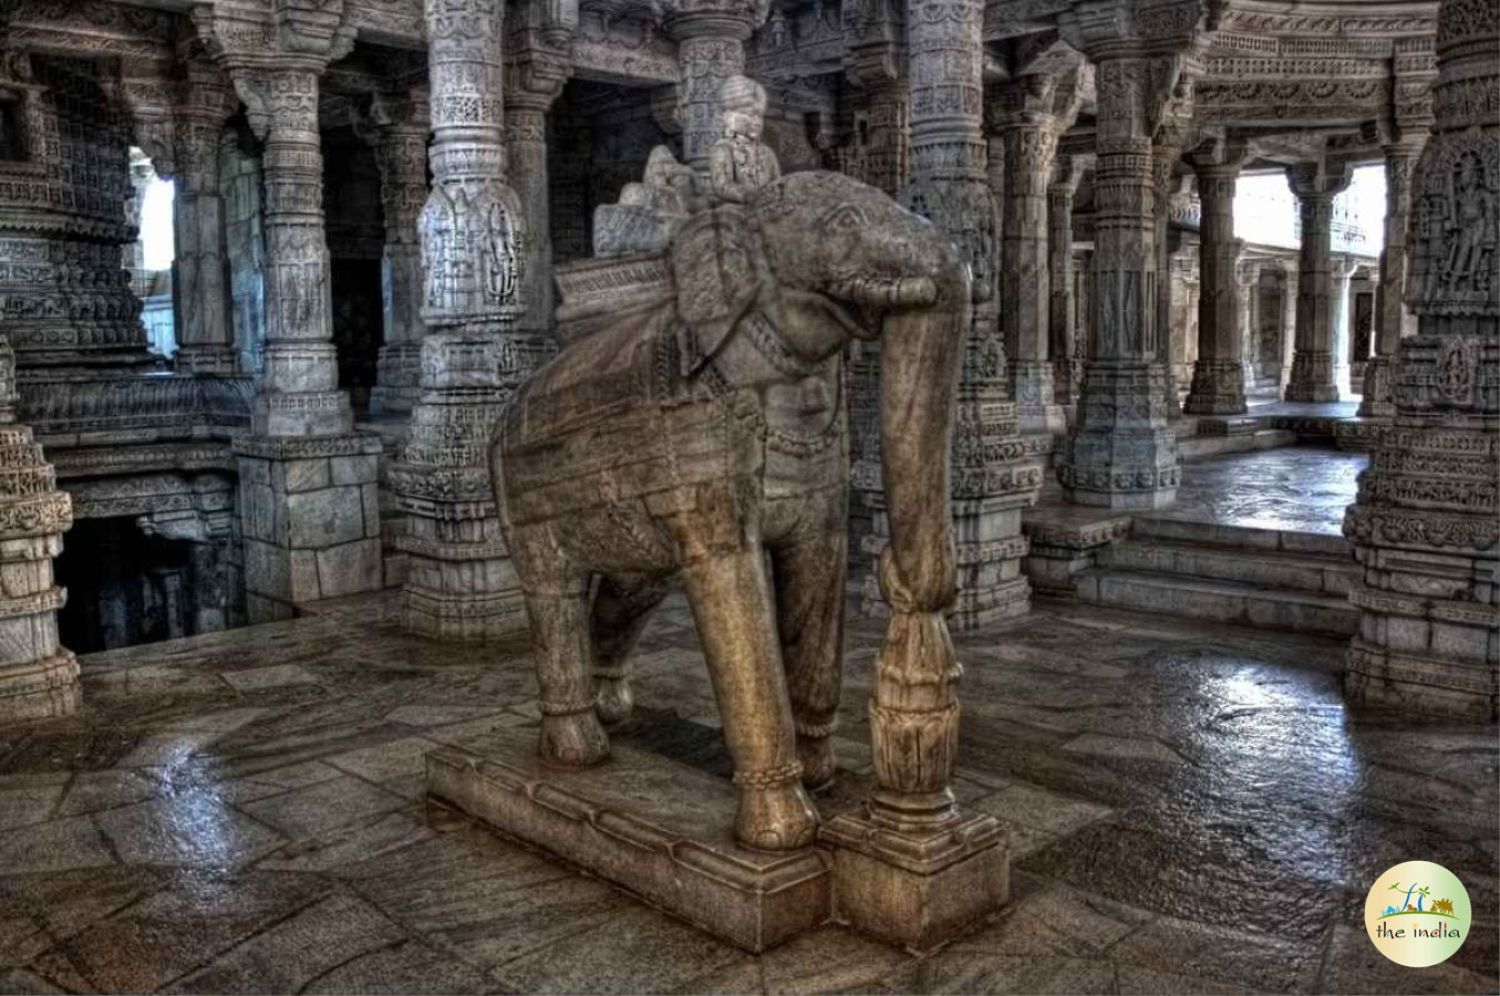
{"x":699,"y":429}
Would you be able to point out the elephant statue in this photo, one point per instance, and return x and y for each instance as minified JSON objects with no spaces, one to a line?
{"x":699,"y":429}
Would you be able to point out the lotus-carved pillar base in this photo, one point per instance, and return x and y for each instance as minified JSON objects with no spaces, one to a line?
{"x":460,"y":583}
{"x":1218,"y":388}
{"x":1123,"y":453}
{"x":1312,"y":377}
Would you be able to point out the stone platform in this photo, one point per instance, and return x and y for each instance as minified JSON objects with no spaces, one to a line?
{"x":652,"y":825}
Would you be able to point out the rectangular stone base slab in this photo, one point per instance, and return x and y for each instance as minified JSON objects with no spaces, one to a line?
{"x":651,"y":825}
{"x":917,"y":891}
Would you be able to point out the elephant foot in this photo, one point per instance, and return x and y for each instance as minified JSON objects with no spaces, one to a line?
{"x":574,"y":739}
{"x":775,"y":813}
{"x":816,"y":755}
{"x":614,"y":701}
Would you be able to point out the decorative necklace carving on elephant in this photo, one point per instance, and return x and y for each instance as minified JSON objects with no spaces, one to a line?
{"x":702,"y":432}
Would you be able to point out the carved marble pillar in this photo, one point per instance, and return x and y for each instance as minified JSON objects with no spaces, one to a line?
{"x":908,"y":866}
{"x":1393,"y":318}
{"x":299,"y":391}
{"x":882,"y":161}
{"x":1067,"y":358}
{"x":1218,"y":375}
{"x":996,"y":473}
{"x":38,"y":678}
{"x":1426,"y":525}
{"x":710,"y":49}
{"x":132,"y":258}
{"x":1122,"y":453}
{"x":1030,"y":139}
{"x":1164,"y":156}
{"x":200,"y":269}
{"x":1341,"y":269}
{"x":888,"y":152}
{"x":397,"y":128}
{"x":308,"y":492}
{"x":536,"y":85}
{"x":1312,"y":378}
{"x":460,"y":584}
{"x":1289,"y":297}
{"x":1248,"y":275}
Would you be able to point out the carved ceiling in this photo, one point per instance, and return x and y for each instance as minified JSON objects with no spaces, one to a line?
{"x":1335,"y":76}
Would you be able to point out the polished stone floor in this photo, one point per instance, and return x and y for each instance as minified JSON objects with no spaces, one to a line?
{"x":1293,"y":488}
{"x":1193,"y":810}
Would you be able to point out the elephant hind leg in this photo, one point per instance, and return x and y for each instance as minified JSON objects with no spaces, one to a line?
{"x":731,"y":600}
{"x":622,"y":607}
{"x":810,"y":572}
{"x":558,"y":604}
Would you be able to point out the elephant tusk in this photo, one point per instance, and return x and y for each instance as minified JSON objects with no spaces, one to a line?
{"x":907,"y":292}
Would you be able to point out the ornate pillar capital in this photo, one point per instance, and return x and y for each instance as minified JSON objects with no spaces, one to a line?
{"x":726,"y":19}
{"x":535,"y":78}
{"x":296,"y":34}
{"x":1319,"y":181}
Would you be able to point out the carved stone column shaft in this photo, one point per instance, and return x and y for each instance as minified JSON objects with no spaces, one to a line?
{"x":1312,"y":377}
{"x":1067,"y":358}
{"x":710,"y":49}
{"x":1393,"y":318}
{"x":1164,"y":156}
{"x":460,"y":584}
{"x":299,"y":389}
{"x":526,"y":146}
{"x":1122,"y":453}
{"x":1218,"y":375}
{"x":397,"y":129}
{"x":1025,"y":291}
{"x":200,"y":268}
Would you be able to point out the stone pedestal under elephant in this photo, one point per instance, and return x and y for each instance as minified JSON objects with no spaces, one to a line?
{"x":695,"y":426}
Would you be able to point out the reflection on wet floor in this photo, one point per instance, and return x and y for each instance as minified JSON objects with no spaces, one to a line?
{"x":1299,"y":488}
{"x":1192,"y":808}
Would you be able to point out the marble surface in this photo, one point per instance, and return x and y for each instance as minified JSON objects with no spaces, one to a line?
{"x":1292,"y":488}
{"x":1192,"y":807}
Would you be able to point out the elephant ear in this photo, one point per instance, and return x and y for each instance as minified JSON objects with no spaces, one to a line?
{"x":714,"y":265}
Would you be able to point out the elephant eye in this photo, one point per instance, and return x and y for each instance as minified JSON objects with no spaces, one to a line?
{"x":844,"y":217}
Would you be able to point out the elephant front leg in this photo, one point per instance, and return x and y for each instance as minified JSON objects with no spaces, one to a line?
{"x":731,"y":601}
{"x":810,"y":574}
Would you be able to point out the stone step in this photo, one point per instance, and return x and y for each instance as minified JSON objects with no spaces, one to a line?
{"x":1218,"y":601}
{"x":1247,"y":538}
{"x":1272,"y":570}
{"x":1199,"y":447}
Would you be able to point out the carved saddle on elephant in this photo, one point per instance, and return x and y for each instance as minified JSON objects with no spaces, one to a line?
{"x":646,"y":327}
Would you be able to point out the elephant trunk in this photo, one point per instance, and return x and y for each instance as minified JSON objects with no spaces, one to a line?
{"x":914,"y":711}
{"x":921,"y":351}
